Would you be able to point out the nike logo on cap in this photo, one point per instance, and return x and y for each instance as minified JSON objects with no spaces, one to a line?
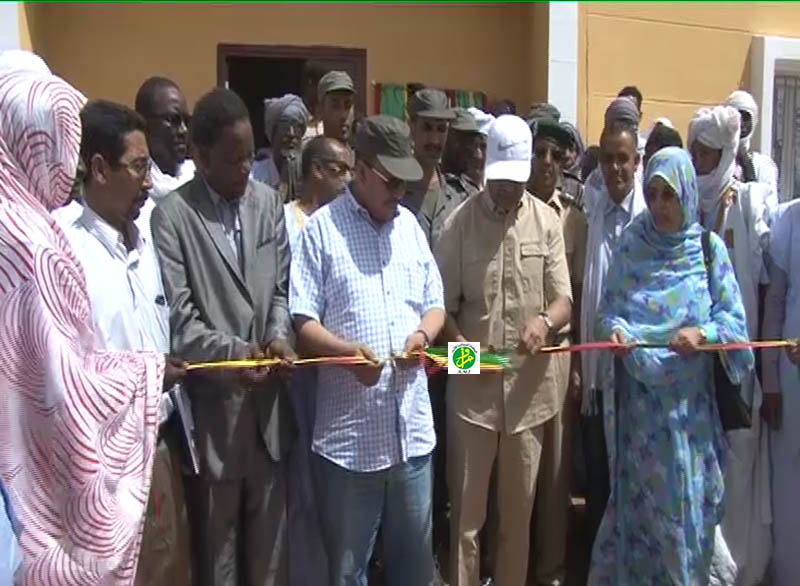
{"x":508,"y":145}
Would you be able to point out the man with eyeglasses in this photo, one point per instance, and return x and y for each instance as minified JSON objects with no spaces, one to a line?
{"x":224,"y":255}
{"x":326,"y":172}
{"x":129,"y":309}
{"x":552,"y":486}
{"x":162,"y":104}
{"x":364,"y":283}
{"x":326,"y":169}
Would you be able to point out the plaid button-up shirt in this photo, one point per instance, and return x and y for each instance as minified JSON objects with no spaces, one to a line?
{"x":371,"y":284}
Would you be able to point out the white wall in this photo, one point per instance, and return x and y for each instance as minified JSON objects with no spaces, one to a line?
{"x":9,"y":25}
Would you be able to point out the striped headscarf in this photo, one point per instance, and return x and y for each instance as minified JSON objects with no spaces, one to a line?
{"x":77,"y":427}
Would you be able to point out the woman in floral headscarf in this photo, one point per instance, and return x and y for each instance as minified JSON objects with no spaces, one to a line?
{"x":663,"y":433}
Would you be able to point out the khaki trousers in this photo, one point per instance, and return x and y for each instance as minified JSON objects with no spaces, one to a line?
{"x":551,"y":516}
{"x":472,"y":451}
{"x":164,"y":557}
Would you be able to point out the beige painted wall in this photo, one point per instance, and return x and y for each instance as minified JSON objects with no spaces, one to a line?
{"x":682,"y":56}
{"x":536,"y":73}
{"x":108,"y":50}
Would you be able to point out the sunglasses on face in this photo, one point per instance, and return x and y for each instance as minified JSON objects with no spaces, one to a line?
{"x":391,"y":183}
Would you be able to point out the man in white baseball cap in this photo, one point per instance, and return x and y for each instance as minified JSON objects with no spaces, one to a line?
{"x":502,"y":260}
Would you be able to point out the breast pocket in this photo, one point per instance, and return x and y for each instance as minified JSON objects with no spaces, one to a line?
{"x":531,"y":266}
{"x":479,"y":277}
{"x":162,"y":319}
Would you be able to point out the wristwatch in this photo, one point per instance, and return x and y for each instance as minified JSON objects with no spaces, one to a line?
{"x":424,"y":335}
{"x":547,"y":321}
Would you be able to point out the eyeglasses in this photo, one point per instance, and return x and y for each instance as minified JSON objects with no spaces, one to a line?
{"x":339,"y":169}
{"x":140,"y":168}
{"x":392,"y":184}
{"x":176,"y":119}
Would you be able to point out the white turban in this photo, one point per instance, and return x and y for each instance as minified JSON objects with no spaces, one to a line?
{"x":743,"y":101}
{"x":483,"y":119}
{"x":660,"y":121}
{"x":16,"y":60}
{"x":717,"y":128}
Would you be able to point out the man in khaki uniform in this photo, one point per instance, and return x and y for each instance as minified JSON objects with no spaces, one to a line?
{"x":464,"y":155}
{"x":552,"y":494}
{"x":506,"y":282}
{"x":430,"y":198}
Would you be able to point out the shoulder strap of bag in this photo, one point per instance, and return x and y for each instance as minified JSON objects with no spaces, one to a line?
{"x":705,"y":240}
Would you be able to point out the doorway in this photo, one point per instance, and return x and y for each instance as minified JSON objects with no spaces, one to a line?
{"x":256,"y":72}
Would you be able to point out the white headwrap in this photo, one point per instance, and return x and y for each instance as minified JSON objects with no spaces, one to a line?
{"x":741,"y":100}
{"x":16,"y":60}
{"x":484,"y":119}
{"x":660,"y":121}
{"x":717,"y":128}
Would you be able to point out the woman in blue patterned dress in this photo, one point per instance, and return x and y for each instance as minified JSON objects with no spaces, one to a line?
{"x":663,"y":431}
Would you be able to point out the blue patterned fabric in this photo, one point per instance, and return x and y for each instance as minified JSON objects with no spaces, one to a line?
{"x":9,"y":548}
{"x":663,"y":432}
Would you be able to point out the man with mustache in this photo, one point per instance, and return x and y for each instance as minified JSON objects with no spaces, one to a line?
{"x":552,"y":488}
{"x":129,"y":309}
{"x":616,"y":196}
{"x":464,"y":154}
{"x":430,"y":198}
{"x":162,"y":104}
{"x":364,"y":283}
{"x":335,"y":95}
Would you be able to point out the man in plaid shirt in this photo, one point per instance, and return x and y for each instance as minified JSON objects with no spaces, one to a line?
{"x":364,"y":283}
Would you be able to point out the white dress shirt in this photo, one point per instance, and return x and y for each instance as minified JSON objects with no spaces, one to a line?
{"x":129,"y":308}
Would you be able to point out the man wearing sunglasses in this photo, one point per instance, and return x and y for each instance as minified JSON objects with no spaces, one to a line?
{"x":161,"y":103}
{"x":552,"y":488}
{"x":364,"y":283}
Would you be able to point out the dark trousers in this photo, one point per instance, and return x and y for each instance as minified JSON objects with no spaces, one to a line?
{"x":239,"y":527}
{"x":597,"y":481}
{"x":437,"y":388}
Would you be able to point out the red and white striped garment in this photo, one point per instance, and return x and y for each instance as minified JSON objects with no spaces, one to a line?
{"x":77,"y":427}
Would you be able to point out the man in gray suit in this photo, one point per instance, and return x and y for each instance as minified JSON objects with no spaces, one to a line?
{"x":224,"y":257}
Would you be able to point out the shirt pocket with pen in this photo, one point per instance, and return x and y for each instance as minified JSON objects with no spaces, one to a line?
{"x":162,"y":320}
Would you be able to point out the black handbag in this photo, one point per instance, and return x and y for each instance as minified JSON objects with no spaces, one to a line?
{"x":735,"y":412}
